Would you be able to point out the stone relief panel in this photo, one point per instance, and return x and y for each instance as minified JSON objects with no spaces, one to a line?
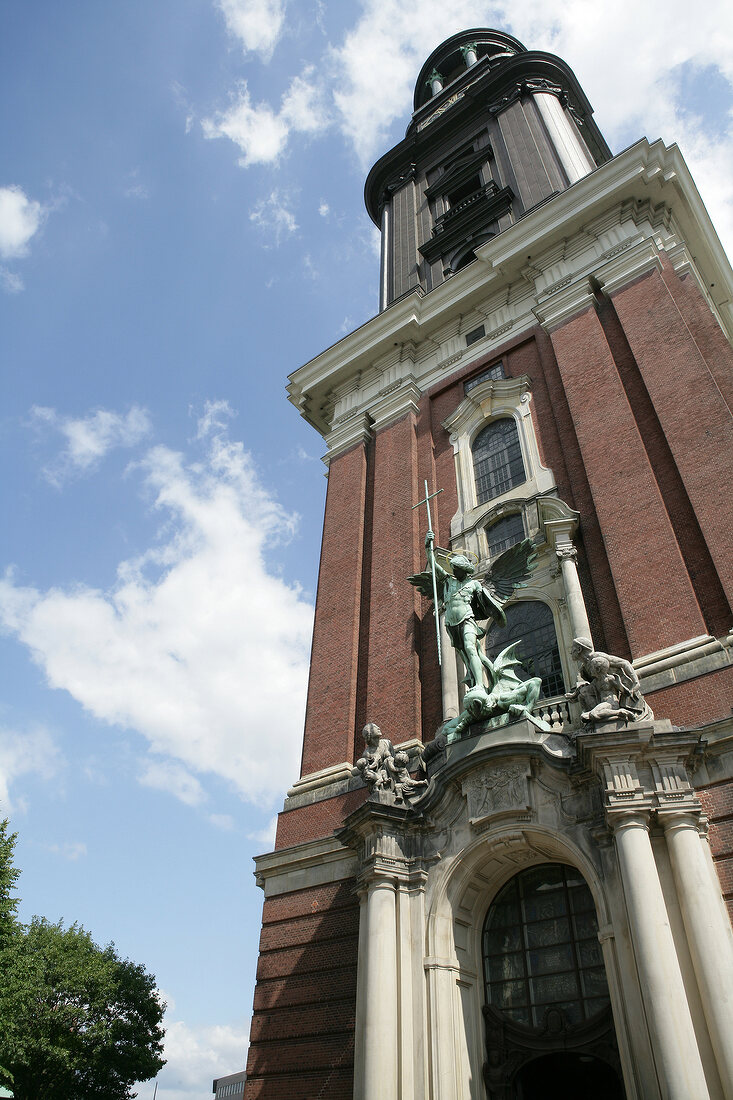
{"x":498,"y":790}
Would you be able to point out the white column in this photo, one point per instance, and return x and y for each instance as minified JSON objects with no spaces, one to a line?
{"x":384,"y":259}
{"x":361,"y":982}
{"x":674,"y":1046}
{"x":568,"y":146}
{"x":568,"y":557}
{"x":380,"y":1066}
{"x":448,"y":674}
{"x":709,"y":933}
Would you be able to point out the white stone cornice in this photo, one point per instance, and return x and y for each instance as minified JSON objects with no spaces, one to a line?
{"x":541,"y":267}
{"x":354,"y":429}
{"x":401,"y":398}
{"x":637,"y":260}
{"x":566,"y":302}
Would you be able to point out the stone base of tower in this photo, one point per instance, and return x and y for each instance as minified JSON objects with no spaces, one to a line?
{"x":379,"y":973}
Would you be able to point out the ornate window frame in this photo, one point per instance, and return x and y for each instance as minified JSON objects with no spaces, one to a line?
{"x":494,"y":399}
{"x":548,"y":521}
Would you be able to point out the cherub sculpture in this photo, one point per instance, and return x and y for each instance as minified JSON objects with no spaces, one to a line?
{"x":385,"y":771}
{"x":377,"y":751}
{"x":493,"y":687}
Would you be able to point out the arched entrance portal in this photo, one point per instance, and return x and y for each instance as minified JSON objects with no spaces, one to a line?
{"x":549,"y":1030}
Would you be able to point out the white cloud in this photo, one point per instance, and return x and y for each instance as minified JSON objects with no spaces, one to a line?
{"x":195,"y":1056}
{"x":256,"y":23}
{"x":324,"y":209}
{"x":262,"y":133}
{"x":266,"y":835}
{"x":24,"y":752}
{"x":11,"y":281}
{"x":275,"y":216}
{"x":215,"y":417}
{"x":199,"y":645}
{"x":90,"y":438}
{"x":302,"y":106}
{"x":69,"y":849}
{"x":20,"y":220}
{"x":168,"y":775}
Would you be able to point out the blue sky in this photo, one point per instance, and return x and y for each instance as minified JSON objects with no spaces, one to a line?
{"x":182,"y":225}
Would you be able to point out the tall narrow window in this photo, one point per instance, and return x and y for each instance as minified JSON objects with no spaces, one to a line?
{"x":497,"y":460}
{"x":530,"y":622}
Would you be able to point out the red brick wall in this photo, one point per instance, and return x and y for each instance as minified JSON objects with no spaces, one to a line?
{"x":393,"y":696}
{"x":302,"y":1033}
{"x":626,"y":496}
{"x":717,"y":801}
{"x":707,"y":698}
{"x":317,"y":820}
{"x":689,"y":404}
{"x":331,"y":709}
{"x":624,"y":430}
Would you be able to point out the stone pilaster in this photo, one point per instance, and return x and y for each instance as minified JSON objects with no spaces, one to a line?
{"x":393,"y":854}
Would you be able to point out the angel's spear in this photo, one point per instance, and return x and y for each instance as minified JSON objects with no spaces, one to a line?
{"x":426,"y":502}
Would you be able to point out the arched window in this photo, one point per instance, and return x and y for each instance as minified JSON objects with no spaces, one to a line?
{"x":531,"y":622}
{"x":497,"y":460}
{"x":540,"y":948}
{"x":505,"y":532}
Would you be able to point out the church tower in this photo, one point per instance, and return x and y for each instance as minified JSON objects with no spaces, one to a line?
{"x":499,"y":881}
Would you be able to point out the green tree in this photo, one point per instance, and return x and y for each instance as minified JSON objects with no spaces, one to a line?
{"x":8,"y":878}
{"x":77,"y":1022}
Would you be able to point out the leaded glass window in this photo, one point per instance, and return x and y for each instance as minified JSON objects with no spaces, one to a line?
{"x":531,"y":623}
{"x":504,"y":533}
{"x":540,"y":948}
{"x":496,"y":372}
{"x":497,"y":460}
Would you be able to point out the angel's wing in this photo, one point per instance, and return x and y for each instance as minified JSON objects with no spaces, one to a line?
{"x":511,"y":569}
{"x":424,"y":583}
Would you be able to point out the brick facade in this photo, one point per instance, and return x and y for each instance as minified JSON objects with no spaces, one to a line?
{"x":301,"y":1039}
{"x":631,"y":398}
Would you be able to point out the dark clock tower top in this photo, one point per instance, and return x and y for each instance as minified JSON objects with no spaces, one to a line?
{"x":496,"y":130}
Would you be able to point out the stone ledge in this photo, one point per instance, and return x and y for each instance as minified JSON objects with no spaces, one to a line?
{"x":315,"y":863}
{"x":684,"y":661}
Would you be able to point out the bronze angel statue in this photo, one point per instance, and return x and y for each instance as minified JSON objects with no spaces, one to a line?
{"x":467,"y":602}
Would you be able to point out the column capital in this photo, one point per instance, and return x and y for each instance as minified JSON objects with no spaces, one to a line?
{"x":672,"y":820}
{"x":637,"y":818}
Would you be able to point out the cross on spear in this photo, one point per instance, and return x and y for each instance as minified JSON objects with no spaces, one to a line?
{"x":428,"y":497}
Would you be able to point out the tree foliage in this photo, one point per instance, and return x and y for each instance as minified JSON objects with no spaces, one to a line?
{"x":8,"y":877}
{"x":77,"y":1022}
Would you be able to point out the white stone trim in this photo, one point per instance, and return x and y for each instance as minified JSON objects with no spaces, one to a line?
{"x":645,"y":194}
{"x":314,"y":863}
{"x":684,"y":661}
{"x":494,"y":399}
{"x":353,"y":430}
{"x":326,"y":777}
